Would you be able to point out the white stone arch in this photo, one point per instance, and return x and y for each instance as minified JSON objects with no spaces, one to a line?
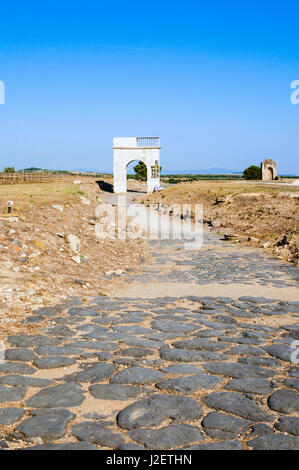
{"x":128,"y":149}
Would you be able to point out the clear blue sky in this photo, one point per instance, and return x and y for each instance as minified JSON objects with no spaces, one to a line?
{"x":212,"y":79}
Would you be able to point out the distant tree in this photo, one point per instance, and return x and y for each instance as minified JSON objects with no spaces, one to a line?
{"x":141,"y":171}
{"x":253,"y":172}
{"x":9,"y":169}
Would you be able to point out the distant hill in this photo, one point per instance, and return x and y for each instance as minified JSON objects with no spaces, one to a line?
{"x":208,"y":171}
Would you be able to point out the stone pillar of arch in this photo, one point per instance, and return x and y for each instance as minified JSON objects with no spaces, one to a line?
{"x":128,"y":149}
{"x":269,"y":170}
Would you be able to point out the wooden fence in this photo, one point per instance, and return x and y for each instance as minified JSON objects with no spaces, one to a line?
{"x":34,"y":177}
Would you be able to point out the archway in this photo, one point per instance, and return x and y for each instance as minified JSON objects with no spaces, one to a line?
{"x":130,"y":171}
{"x":129,"y":149}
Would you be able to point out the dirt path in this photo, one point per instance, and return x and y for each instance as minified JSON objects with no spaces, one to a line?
{"x":195,"y":352}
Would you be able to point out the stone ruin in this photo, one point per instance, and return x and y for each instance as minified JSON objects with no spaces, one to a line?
{"x":269,"y":170}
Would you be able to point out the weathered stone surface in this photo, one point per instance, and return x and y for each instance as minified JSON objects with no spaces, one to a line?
{"x":190,"y":384}
{"x":116,"y":391}
{"x":181,"y":369}
{"x":10,"y":394}
{"x":16,"y":368}
{"x":174,"y":326}
{"x":224,"y":426}
{"x":130,"y":446}
{"x":137,"y":375}
{"x":236,"y":370}
{"x":288,"y":424}
{"x":97,"y":433}
{"x":64,"y":446}
{"x":58,"y":351}
{"x":274,"y":441}
{"x":225,"y":445}
{"x":250,"y":385}
{"x":64,"y":395}
{"x":153,"y":410}
{"x":200,"y":344}
{"x":292,"y":383}
{"x":182,"y":355}
{"x":168,"y":437}
{"x":93,"y":373}
{"x":10,"y":415}
{"x":20,"y":354}
{"x":52,"y":362}
{"x":28,"y":341}
{"x":135,"y":352}
{"x":23,"y":381}
{"x":284,"y":401}
{"x":47,"y":426}
{"x":237,"y":404}
{"x":95,"y":345}
{"x":280,"y":351}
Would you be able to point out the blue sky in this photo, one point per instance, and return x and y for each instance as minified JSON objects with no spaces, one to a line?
{"x":211,"y":79}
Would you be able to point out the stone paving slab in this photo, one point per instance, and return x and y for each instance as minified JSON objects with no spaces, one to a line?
{"x":189,"y":372}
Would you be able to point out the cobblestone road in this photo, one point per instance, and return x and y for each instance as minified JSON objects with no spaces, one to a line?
{"x":176,"y":372}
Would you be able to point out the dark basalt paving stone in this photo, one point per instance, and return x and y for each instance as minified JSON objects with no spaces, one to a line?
{"x":126,"y":361}
{"x":174,"y":326}
{"x":28,"y":341}
{"x":208,"y":333}
{"x":260,"y":361}
{"x":61,"y":330}
{"x":92,"y":373}
{"x":116,"y":392}
{"x":92,"y":328}
{"x":96,"y":345}
{"x":16,"y":368}
{"x":140,"y":342}
{"x":20,"y":354}
{"x":135,"y":352}
{"x":236,"y":370}
{"x":63,"y":395}
{"x":284,"y":401}
{"x":294,"y":372}
{"x":250,"y":385}
{"x":53,"y":362}
{"x":200,"y":344}
{"x":130,"y":446}
{"x":191,"y":384}
{"x":10,"y":415}
{"x":243,"y":350}
{"x":97,"y":433}
{"x":58,"y":351}
{"x":152,"y":411}
{"x":181,"y":369}
{"x":83,"y":311}
{"x":102,"y":356}
{"x":23,"y":381}
{"x":33,"y":319}
{"x":225,"y":445}
{"x":132,"y":329}
{"x":49,"y":311}
{"x":168,"y":437}
{"x":280,"y":351}
{"x":64,"y":446}
{"x":274,"y":441}
{"x":223,"y":426}
{"x":48,"y":426}
{"x":137,"y":375}
{"x":183,"y":355}
{"x":288,"y":424}
{"x":292,"y":383}
{"x":10,"y":394}
{"x":259,"y":429}
{"x":237,"y":404}
{"x":217,"y":325}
